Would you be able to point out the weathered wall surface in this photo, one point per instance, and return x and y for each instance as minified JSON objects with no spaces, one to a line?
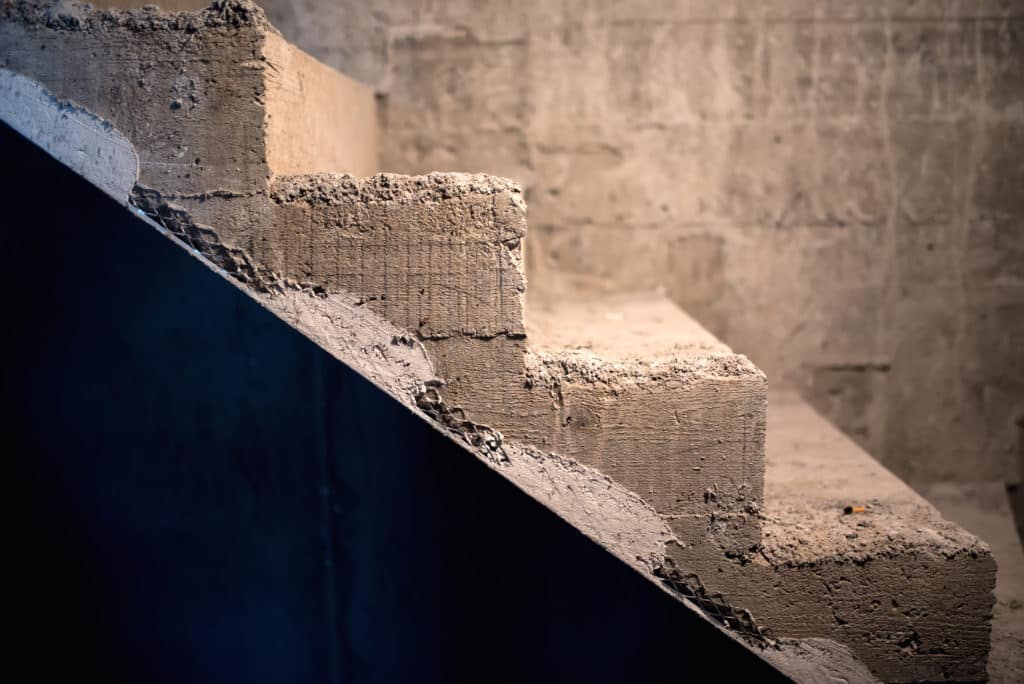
{"x":831,"y":187}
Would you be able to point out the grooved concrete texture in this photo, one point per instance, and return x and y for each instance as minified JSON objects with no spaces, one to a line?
{"x":632,"y":386}
{"x":437,"y":254}
{"x":237,"y":105}
{"x":831,"y":187}
{"x":908,"y":591}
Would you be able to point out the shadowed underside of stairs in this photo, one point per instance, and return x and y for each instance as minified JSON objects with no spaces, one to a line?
{"x":620,"y":413}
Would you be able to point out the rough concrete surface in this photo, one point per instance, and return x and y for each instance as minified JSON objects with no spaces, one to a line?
{"x":652,"y":445}
{"x":642,"y":392}
{"x":831,"y":187}
{"x":80,"y":140}
{"x":906,"y":590}
{"x":316,"y":119}
{"x":983,"y":509}
{"x":683,"y":426}
{"x":819,"y":661}
{"x":199,"y":74}
{"x":213,"y":79}
{"x":437,"y":254}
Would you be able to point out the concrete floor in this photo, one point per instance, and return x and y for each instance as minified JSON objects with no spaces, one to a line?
{"x":985,"y":510}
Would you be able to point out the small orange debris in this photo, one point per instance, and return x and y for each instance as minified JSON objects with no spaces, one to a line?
{"x":855,"y":509}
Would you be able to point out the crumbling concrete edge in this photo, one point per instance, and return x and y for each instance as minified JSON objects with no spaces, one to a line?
{"x":82,"y":141}
{"x":551,"y":369}
{"x":72,"y":15}
{"x":396,"y":362}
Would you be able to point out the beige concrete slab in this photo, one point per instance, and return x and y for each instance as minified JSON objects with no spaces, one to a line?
{"x":618,"y":327}
{"x":907,"y":590}
{"x":316,"y":119}
{"x":631,"y":386}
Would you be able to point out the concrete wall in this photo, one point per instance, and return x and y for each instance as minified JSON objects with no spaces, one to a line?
{"x":832,"y":187}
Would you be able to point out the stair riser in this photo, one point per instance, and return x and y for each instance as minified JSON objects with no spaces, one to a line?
{"x":910,"y":618}
{"x":691,"y":447}
{"x":439,"y":266}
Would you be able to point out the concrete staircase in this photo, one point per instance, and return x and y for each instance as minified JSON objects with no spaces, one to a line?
{"x":617,"y":410}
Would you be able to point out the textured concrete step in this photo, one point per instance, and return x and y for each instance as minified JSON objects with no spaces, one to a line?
{"x":908,"y":591}
{"x":439,"y":255}
{"x":214,"y":101}
{"x":632,"y":386}
{"x":645,"y":394}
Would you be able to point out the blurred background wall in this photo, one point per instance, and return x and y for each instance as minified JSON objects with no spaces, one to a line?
{"x":834,"y":188}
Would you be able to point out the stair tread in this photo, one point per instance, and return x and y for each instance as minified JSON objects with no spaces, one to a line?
{"x":813,"y":472}
{"x":640,"y":334}
{"x":618,"y":327}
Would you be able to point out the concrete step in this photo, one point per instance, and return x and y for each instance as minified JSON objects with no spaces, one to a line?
{"x":642,"y":392}
{"x":214,"y":101}
{"x":438,"y":255}
{"x":671,"y":413}
{"x":908,"y":591}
